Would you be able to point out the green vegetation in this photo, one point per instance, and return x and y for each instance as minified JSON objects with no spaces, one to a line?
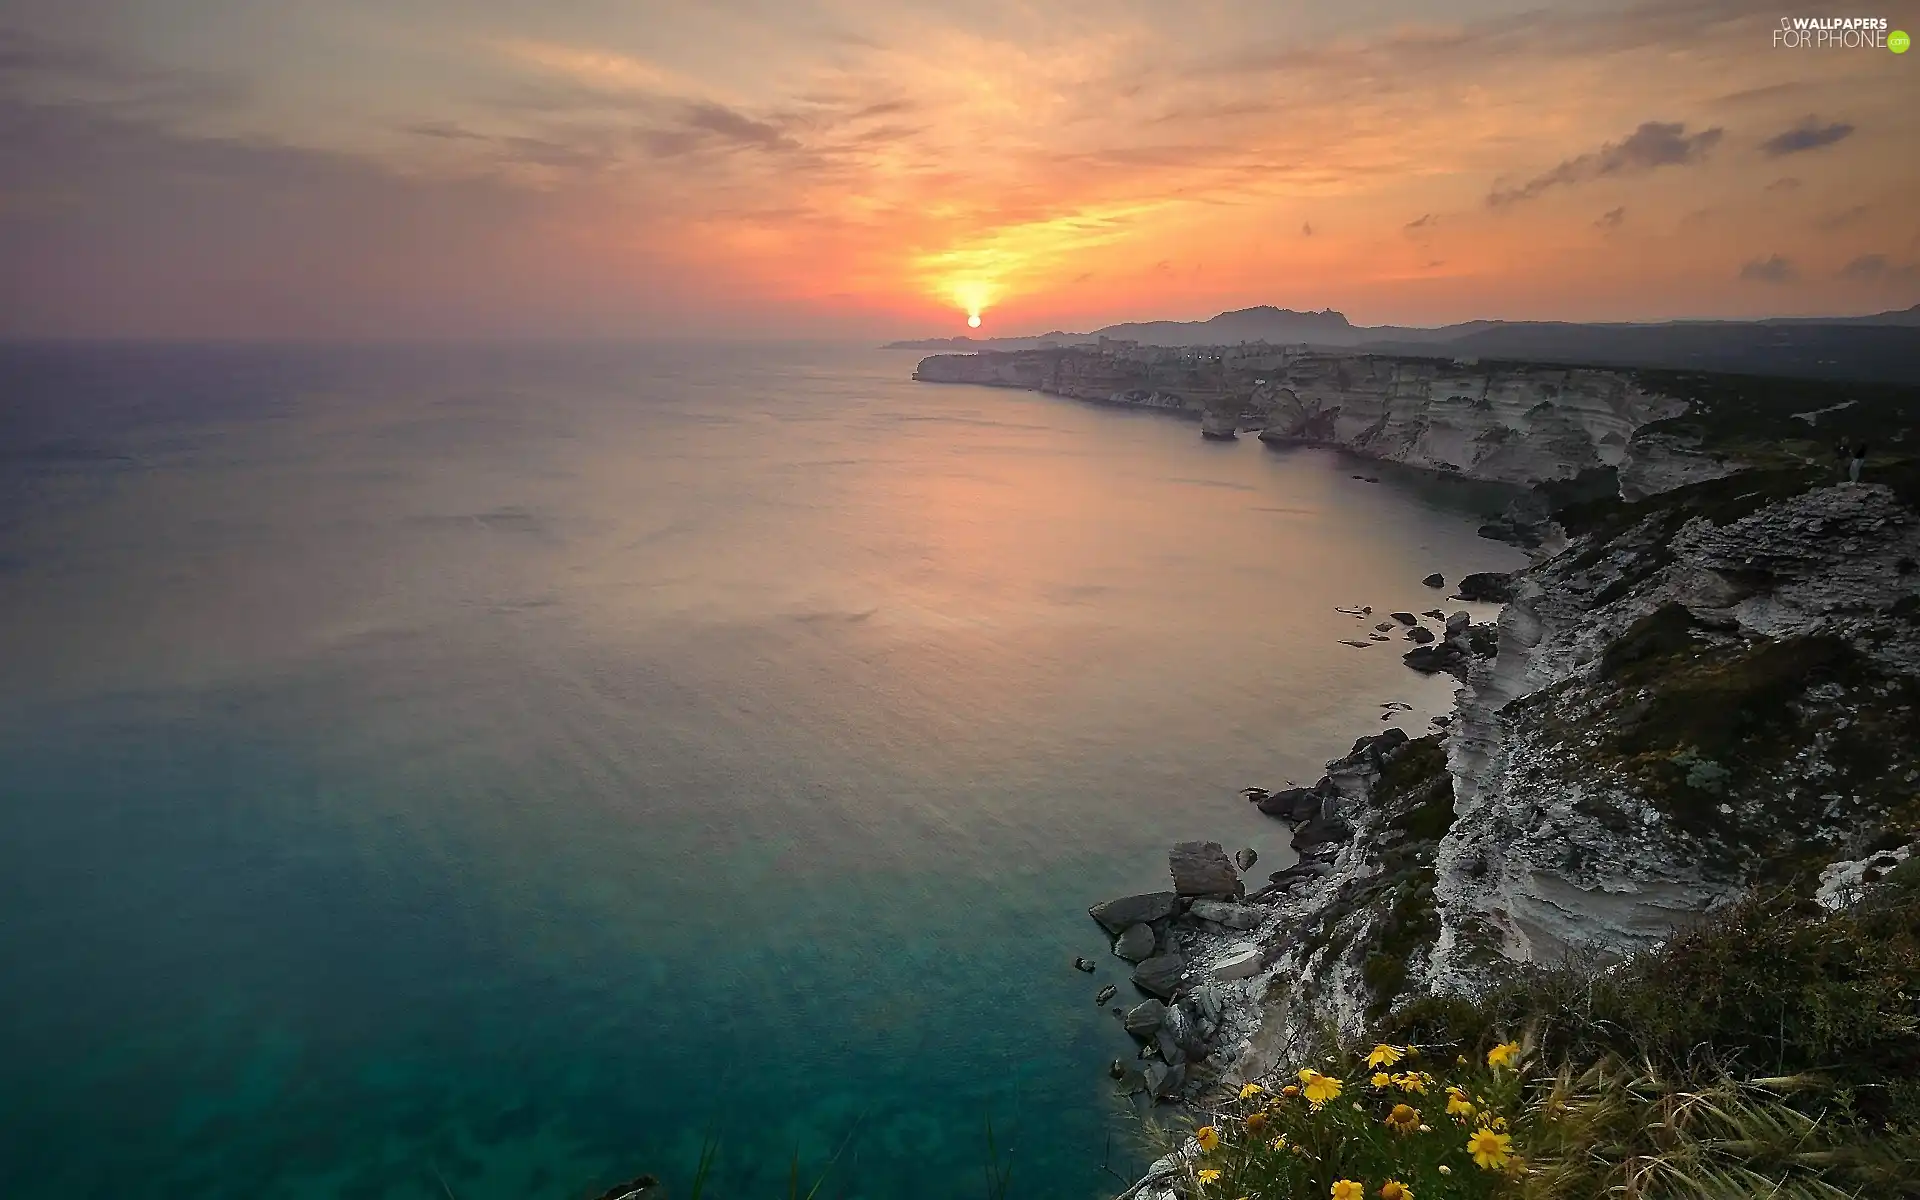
{"x":1774,"y":1051}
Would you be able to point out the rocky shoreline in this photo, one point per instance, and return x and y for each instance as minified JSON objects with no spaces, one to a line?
{"x":1707,"y":691}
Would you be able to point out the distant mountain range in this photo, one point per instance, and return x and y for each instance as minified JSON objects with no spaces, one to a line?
{"x":1882,"y":347}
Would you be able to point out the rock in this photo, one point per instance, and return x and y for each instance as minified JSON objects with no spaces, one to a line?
{"x":1208,"y":998}
{"x":1135,"y":943}
{"x":1144,"y":1019}
{"x":1171,"y":1051}
{"x":1117,"y":1070}
{"x":1082,"y":963}
{"x":1435,"y":580}
{"x":1116,"y":915}
{"x":1171,"y":1080}
{"x":1155,"y":1075}
{"x":1203,"y":869}
{"x":1181,"y":1031}
{"x":1458,"y":622}
{"x":1106,"y":994}
{"x":1242,"y":962}
{"x":1233,"y":916}
{"x":1354,"y":644}
{"x":1435,"y":613}
{"x":1160,"y":975}
{"x":1492,"y":587}
{"x":1384,"y":626}
{"x":1420,"y":634}
{"x":1244,"y":859}
{"x":1406,"y":618}
{"x":1294,"y":804}
{"x":1429,"y":659}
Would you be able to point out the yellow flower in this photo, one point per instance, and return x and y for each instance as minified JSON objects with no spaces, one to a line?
{"x":1279,"y":1143}
{"x":1208,"y":1176}
{"x":1208,"y":1137}
{"x":1393,"y":1189}
{"x":1412,"y":1081}
{"x":1489,"y":1149}
{"x":1347,"y":1189}
{"x":1250,"y":1091}
{"x":1256,"y":1122}
{"x":1384,"y":1056}
{"x":1403,"y":1119}
{"x":1320,"y":1088}
{"x":1381,"y":1079}
{"x":1290,"y":1090}
{"x":1503,"y":1055}
{"x":1458,"y":1105}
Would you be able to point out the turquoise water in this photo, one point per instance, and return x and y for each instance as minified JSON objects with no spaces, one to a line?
{"x":490,"y":771}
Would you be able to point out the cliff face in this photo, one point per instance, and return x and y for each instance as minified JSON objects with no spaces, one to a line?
{"x":1709,"y":690}
{"x":1521,"y":425}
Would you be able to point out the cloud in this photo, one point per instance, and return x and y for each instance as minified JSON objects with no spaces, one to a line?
{"x":446,"y":131}
{"x":1878,"y":268}
{"x":1786,"y":183}
{"x":1809,"y":134}
{"x":1612,"y":218}
{"x":1772,"y":269}
{"x":1306,"y":229}
{"x":1423,"y":221}
{"x":1843,"y":218}
{"x":1655,"y":144}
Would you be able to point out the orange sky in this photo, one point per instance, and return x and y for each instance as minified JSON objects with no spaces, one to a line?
{"x":809,"y":167}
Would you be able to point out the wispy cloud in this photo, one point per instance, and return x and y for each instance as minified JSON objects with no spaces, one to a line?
{"x":1611,"y":219}
{"x":1878,"y":268}
{"x":1809,"y":134}
{"x":1771,"y":269}
{"x":1654,"y":144}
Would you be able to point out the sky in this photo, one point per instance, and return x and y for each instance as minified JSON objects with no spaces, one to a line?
{"x":809,"y":168}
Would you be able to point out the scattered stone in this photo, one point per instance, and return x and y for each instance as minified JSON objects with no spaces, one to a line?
{"x":1160,"y":975}
{"x":1406,"y":618}
{"x":1135,"y":943}
{"x":1116,"y":915}
{"x":1397,"y":705}
{"x":1441,"y":721}
{"x":1420,"y":634}
{"x":1143,"y":1020}
{"x":1241,"y":962}
{"x":1378,"y":637}
{"x":1106,"y":994}
{"x":1435,"y":613}
{"x":1384,"y":626}
{"x":1203,"y":869}
{"x":1458,"y":622}
{"x":1223,"y":912}
{"x":1118,"y":1069}
{"x":1435,"y":580}
{"x":1354,"y":644}
{"x":1244,"y":859}
{"x":1491,"y":587}
{"x":1083,"y":963}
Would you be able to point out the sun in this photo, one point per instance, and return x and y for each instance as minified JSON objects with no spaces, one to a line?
{"x":973,"y":320}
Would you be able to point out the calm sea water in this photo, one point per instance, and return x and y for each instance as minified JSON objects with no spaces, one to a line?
{"x":494,"y":771}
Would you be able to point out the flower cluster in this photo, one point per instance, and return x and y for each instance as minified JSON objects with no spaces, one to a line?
{"x":1294,"y":1142}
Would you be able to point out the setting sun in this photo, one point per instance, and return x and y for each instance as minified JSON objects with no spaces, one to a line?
{"x":973,"y":320}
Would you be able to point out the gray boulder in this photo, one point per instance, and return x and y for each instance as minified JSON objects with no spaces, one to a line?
{"x":1494,"y":587}
{"x":1160,"y":975}
{"x":1420,"y":634}
{"x":1457,"y":623}
{"x":1244,"y":859}
{"x":1203,"y":869}
{"x":1293,"y":804}
{"x":1435,"y":580}
{"x":1222,"y":912}
{"x":1143,"y":1020}
{"x":1135,"y":943}
{"x":1116,"y":915}
{"x":1083,"y":963}
{"x":1406,"y":618}
{"x":1171,"y":1051}
{"x":1106,"y":994}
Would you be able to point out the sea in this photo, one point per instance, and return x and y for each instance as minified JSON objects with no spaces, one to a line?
{"x":494,"y":772}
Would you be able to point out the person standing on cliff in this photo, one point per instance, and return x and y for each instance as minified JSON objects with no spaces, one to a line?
{"x":1859,"y":461}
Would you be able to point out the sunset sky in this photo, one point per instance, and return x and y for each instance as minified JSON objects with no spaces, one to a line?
{"x":400,"y":168}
